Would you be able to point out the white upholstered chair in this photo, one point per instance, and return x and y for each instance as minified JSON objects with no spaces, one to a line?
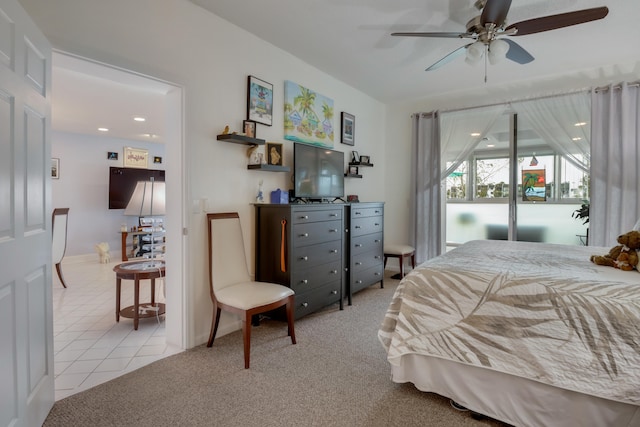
{"x":59,"y":222}
{"x":230,"y":283}
{"x":400,"y":251}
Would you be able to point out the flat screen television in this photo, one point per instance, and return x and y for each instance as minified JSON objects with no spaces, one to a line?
{"x":122,"y":182}
{"x":318,"y":173}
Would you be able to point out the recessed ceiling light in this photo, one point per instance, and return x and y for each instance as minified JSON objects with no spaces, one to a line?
{"x":139,"y":119}
{"x":103,"y":129}
{"x":150,"y":135}
{"x":475,"y":134}
{"x":491,"y":145}
{"x":577,"y":138}
{"x":581,"y":124}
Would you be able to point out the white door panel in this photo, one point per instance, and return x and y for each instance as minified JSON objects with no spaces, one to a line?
{"x":26,"y":317}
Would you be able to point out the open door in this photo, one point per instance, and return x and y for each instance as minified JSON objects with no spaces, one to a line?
{"x":26,"y":319}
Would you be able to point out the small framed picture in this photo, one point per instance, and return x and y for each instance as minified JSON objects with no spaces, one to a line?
{"x":55,"y":168}
{"x":259,"y":101}
{"x":157,"y":159}
{"x":354,"y":157}
{"x":274,"y":153}
{"x":112,"y":155}
{"x":353,"y":170}
{"x":364,"y":160}
{"x":136,"y":157}
{"x":348,"y":129}
{"x":249,"y":128}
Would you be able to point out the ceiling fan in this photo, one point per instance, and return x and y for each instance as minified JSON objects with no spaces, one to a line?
{"x":489,"y":33}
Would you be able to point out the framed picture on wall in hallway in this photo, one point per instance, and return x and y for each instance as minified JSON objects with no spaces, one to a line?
{"x":348,"y":128}
{"x":136,"y":158}
{"x":55,"y":168}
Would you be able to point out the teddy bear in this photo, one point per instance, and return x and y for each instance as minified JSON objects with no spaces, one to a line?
{"x":103,"y":250}
{"x":623,"y":256}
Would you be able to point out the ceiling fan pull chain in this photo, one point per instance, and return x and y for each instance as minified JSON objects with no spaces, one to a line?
{"x":486,"y":53}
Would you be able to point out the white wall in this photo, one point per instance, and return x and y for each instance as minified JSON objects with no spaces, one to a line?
{"x":83,"y":187}
{"x":179,"y":42}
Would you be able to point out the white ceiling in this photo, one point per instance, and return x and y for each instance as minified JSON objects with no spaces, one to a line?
{"x":86,"y":96}
{"x":350,"y":40}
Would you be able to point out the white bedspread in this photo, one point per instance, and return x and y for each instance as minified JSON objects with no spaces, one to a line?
{"x":534,"y":310}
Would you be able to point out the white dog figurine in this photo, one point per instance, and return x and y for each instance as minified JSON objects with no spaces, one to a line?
{"x":103,"y":250}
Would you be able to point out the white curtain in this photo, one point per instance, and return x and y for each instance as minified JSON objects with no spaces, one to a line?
{"x":426,"y":224}
{"x":558,"y":121}
{"x":615,"y":154}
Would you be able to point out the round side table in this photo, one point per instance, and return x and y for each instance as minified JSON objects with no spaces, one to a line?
{"x":136,"y":271}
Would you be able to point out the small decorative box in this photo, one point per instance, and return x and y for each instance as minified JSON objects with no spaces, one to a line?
{"x":279,"y":197}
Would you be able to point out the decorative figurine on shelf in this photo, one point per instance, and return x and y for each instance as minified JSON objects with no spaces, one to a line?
{"x":260,"y":195}
{"x":226,"y":130}
{"x":255,"y":157}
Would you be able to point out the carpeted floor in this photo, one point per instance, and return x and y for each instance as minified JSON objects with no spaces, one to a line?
{"x":336,"y":375}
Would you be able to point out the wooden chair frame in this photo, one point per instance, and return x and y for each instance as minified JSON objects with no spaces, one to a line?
{"x":60,"y":212}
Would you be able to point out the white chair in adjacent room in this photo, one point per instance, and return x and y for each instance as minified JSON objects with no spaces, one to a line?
{"x":231,"y":286}
{"x":400,"y":251}
{"x":59,"y":222}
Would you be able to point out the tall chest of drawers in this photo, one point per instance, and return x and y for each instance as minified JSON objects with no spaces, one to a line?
{"x":302,"y":247}
{"x":365,"y":246}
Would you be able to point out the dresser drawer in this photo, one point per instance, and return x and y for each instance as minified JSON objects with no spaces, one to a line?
{"x":366,"y":243}
{"x":365,"y":278}
{"x":365,"y":260}
{"x":316,"y":232}
{"x":366,"y":225}
{"x":310,"y":256}
{"x":308,"y":302}
{"x":304,"y":216}
{"x":361,"y":212}
{"x":312,"y":278}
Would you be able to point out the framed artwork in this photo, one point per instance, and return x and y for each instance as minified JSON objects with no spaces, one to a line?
{"x":274,"y":153}
{"x":348,"y":129}
{"x":355,"y":158}
{"x":157,"y":159}
{"x":308,"y":116}
{"x":249,"y":128}
{"x":136,"y":157}
{"x":55,"y":168}
{"x":112,"y":155}
{"x":534,"y":188}
{"x":259,"y":101}
{"x":365,"y":160}
{"x":353,"y":170}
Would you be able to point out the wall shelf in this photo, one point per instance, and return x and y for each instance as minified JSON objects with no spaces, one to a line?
{"x":269,"y":168}
{"x":240,"y":139}
{"x":352,"y":175}
{"x":360,"y":164}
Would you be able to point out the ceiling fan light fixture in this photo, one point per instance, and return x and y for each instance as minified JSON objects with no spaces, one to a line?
{"x":474,"y":53}
{"x":498,"y":51}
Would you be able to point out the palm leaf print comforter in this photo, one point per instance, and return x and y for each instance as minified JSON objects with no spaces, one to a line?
{"x":534,"y":310}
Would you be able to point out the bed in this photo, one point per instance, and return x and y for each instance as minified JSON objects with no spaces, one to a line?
{"x":532,"y":334}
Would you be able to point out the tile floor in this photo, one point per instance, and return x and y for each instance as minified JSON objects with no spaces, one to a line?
{"x":89,"y":346}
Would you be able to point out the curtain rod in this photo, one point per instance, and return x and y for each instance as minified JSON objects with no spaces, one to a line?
{"x":616,"y":87}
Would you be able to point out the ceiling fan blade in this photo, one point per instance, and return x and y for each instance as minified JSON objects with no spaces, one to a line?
{"x":438,"y":34}
{"x":517,"y":53}
{"x":450,"y":57}
{"x":495,"y":12}
{"x":553,"y":22}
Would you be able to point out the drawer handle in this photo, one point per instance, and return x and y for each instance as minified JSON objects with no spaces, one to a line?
{"x":358,"y":263}
{"x":334,"y":292}
{"x":304,"y":258}
{"x":377,"y":257}
{"x":358,"y":245}
{"x":334,"y":271}
{"x":304,"y":235}
{"x":377,"y":211}
{"x":304,"y":281}
{"x":333,"y":230}
{"x":333,"y":214}
{"x":304,"y":304}
{"x":359,"y":282}
{"x":376,"y":241}
{"x":376,"y":224}
{"x":376,"y":274}
{"x":358,"y":213}
{"x":357,"y":226}
{"x":334,"y":251}
{"x":304,"y":217}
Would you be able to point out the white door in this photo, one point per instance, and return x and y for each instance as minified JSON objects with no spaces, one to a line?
{"x":26,"y":319}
